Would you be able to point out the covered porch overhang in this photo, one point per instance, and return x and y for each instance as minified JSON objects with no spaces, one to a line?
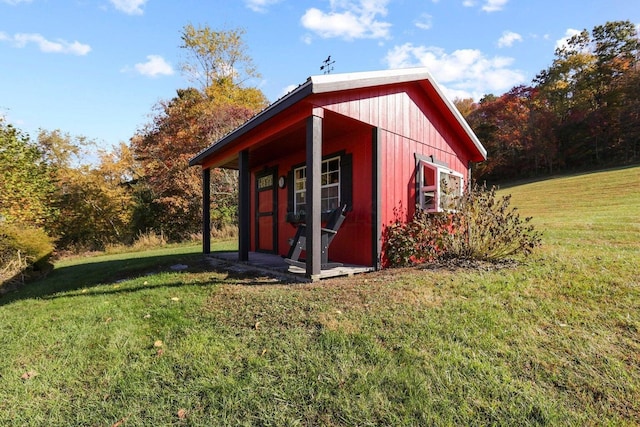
{"x":302,"y":129}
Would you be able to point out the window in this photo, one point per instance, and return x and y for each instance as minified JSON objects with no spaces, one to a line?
{"x":265,"y":182}
{"x":329,"y":182}
{"x":438,"y":186}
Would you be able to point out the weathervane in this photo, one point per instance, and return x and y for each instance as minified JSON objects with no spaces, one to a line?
{"x":328,"y":65}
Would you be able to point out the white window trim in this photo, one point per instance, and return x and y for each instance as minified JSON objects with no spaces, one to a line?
{"x":329,"y":185}
{"x":296,"y":191}
{"x":436,"y":190}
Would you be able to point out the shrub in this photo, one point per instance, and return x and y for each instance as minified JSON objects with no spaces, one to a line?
{"x":482,"y":227}
{"x":413,"y":242}
{"x":24,"y":253}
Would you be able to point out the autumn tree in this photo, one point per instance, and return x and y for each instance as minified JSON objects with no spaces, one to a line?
{"x":213,"y":56}
{"x":617,"y":49}
{"x":25,"y":190}
{"x":584,"y":87}
{"x":501,"y":123}
{"x":94,"y":199}
{"x":629,"y":143}
{"x":170,"y":192}
{"x":582,"y":111}
{"x":25,"y":185}
{"x":465,"y":106}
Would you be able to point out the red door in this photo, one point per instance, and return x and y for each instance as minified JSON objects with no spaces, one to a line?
{"x":266,"y":211}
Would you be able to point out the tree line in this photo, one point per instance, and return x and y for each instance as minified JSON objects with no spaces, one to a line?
{"x":76,"y":197}
{"x":582,"y":112}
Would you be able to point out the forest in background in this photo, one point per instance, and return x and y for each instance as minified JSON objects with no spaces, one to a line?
{"x":581,"y":113}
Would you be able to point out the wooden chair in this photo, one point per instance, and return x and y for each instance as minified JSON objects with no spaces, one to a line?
{"x":328,"y":232}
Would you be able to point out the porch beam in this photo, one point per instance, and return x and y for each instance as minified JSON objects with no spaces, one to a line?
{"x":244,"y":205}
{"x":314,"y":194}
{"x":376,"y":194}
{"x":206,"y":211}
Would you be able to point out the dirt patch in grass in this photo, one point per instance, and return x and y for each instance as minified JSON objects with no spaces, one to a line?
{"x":332,"y":304}
{"x":326,"y":303}
{"x":457,"y":264}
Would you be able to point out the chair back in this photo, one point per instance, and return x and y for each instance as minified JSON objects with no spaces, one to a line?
{"x":336,"y":218}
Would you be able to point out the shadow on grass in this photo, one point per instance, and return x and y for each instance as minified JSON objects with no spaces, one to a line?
{"x":90,"y":273}
{"x":248,"y":278}
{"x":94,"y":272}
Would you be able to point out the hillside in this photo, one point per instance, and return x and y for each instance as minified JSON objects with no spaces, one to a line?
{"x":123,"y":340}
{"x":586,"y":215}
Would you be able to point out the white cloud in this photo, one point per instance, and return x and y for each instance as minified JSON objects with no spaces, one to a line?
{"x":287,"y":89}
{"x":130,"y":7}
{"x":21,"y":40}
{"x":349,"y":19}
{"x":15,"y":2}
{"x":260,"y":5}
{"x":508,"y":39}
{"x":488,"y":6}
{"x":155,"y":66}
{"x":424,"y":21}
{"x":494,"y":5}
{"x":464,"y":73}
{"x":567,"y":35}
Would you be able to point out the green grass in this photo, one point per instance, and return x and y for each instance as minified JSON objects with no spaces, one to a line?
{"x":554,"y":341}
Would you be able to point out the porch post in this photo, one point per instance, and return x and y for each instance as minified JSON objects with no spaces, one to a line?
{"x":376,"y":192}
{"x":244,"y":206}
{"x":206,"y":211}
{"x":314,"y":171}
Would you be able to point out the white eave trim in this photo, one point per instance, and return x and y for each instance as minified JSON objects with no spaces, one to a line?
{"x":335,"y":82}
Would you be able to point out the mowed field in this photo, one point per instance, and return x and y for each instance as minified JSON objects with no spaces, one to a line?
{"x":122,"y":340}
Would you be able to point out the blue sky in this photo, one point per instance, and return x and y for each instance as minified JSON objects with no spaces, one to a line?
{"x":96,"y":68}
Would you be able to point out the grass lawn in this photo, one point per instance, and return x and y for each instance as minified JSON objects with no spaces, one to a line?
{"x":121,"y":340}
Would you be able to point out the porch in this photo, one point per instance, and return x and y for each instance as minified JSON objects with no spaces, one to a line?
{"x":275,"y":264}
{"x":269,"y":183}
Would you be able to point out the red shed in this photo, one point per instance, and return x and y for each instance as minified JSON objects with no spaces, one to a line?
{"x":374,"y":142}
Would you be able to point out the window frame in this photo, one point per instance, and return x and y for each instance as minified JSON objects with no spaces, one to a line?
{"x":323,"y":186}
{"x":433,"y":191}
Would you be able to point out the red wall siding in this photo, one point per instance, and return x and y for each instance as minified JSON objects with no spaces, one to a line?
{"x":411,"y":123}
{"x":406,"y":111}
{"x":398,"y":164}
{"x":353,"y":243}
